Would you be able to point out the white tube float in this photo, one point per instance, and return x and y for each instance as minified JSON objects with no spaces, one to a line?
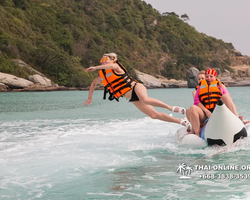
{"x":223,"y":128}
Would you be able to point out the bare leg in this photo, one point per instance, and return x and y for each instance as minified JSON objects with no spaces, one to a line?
{"x":188,"y":114}
{"x":141,"y":92}
{"x":196,"y":117}
{"x":151,"y":112}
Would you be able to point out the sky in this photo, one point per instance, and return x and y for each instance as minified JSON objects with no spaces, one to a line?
{"x":228,"y":20}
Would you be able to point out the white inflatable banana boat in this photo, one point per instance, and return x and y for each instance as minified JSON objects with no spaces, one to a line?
{"x":223,"y":128}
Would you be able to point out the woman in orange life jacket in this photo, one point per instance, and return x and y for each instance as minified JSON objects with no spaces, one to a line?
{"x":201,"y":76}
{"x":119,"y":83}
{"x":203,"y":107}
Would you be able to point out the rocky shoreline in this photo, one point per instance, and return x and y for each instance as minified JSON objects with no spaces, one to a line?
{"x":39,"y":83}
{"x":150,"y":83}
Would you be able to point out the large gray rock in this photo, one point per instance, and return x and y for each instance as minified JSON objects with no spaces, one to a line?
{"x":13,"y":81}
{"x":148,"y":80}
{"x":171,"y":83}
{"x":192,"y":80}
{"x":40,"y":80}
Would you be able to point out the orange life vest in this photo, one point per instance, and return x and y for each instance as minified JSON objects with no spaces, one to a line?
{"x":115,"y":84}
{"x":209,"y":94}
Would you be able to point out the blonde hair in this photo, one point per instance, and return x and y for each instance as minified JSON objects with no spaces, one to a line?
{"x":202,"y":72}
{"x":112,"y":56}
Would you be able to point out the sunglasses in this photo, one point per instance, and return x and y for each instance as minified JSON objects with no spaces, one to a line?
{"x":103,"y":59}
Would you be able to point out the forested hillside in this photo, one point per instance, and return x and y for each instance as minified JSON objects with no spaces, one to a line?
{"x":62,"y":37}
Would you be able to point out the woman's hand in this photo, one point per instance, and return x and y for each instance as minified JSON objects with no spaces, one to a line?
{"x":90,"y":69}
{"x":88,"y":101}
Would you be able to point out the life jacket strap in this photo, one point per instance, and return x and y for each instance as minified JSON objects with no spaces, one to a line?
{"x":209,"y":98}
{"x":112,"y":97}
{"x":121,"y":88}
{"x":105,"y":92}
{"x":117,"y":80}
{"x":125,"y":81}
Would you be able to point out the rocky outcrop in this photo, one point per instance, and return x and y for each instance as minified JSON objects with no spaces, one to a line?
{"x":192,"y":79}
{"x":14,"y":82}
{"x":38,"y":79}
{"x":238,"y":59}
{"x":159,"y":82}
{"x":148,"y":80}
{"x":239,"y":77}
{"x":35,"y":82}
{"x":172,"y":83}
{"x":38,"y":82}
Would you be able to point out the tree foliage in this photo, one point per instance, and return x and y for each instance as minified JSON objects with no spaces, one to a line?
{"x":185,"y":17}
{"x":61,"y":37}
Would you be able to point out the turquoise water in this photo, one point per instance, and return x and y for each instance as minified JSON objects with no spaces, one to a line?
{"x":53,"y":147}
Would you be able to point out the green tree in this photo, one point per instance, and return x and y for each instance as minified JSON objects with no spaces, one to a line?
{"x":185,"y":17}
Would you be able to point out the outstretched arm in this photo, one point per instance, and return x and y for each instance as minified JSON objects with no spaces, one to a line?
{"x":91,"y":89}
{"x":113,"y":66}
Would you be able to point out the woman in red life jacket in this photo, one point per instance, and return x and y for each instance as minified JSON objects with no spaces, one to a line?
{"x":118,"y":83}
{"x":205,"y":100}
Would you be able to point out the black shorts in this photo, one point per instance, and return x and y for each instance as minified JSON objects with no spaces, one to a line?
{"x":134,"y":96}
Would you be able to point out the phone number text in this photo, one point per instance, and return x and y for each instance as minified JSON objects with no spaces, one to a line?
{"x":224,"y":176}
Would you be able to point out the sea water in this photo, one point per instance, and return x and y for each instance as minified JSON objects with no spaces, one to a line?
{"x":53,"y":147}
